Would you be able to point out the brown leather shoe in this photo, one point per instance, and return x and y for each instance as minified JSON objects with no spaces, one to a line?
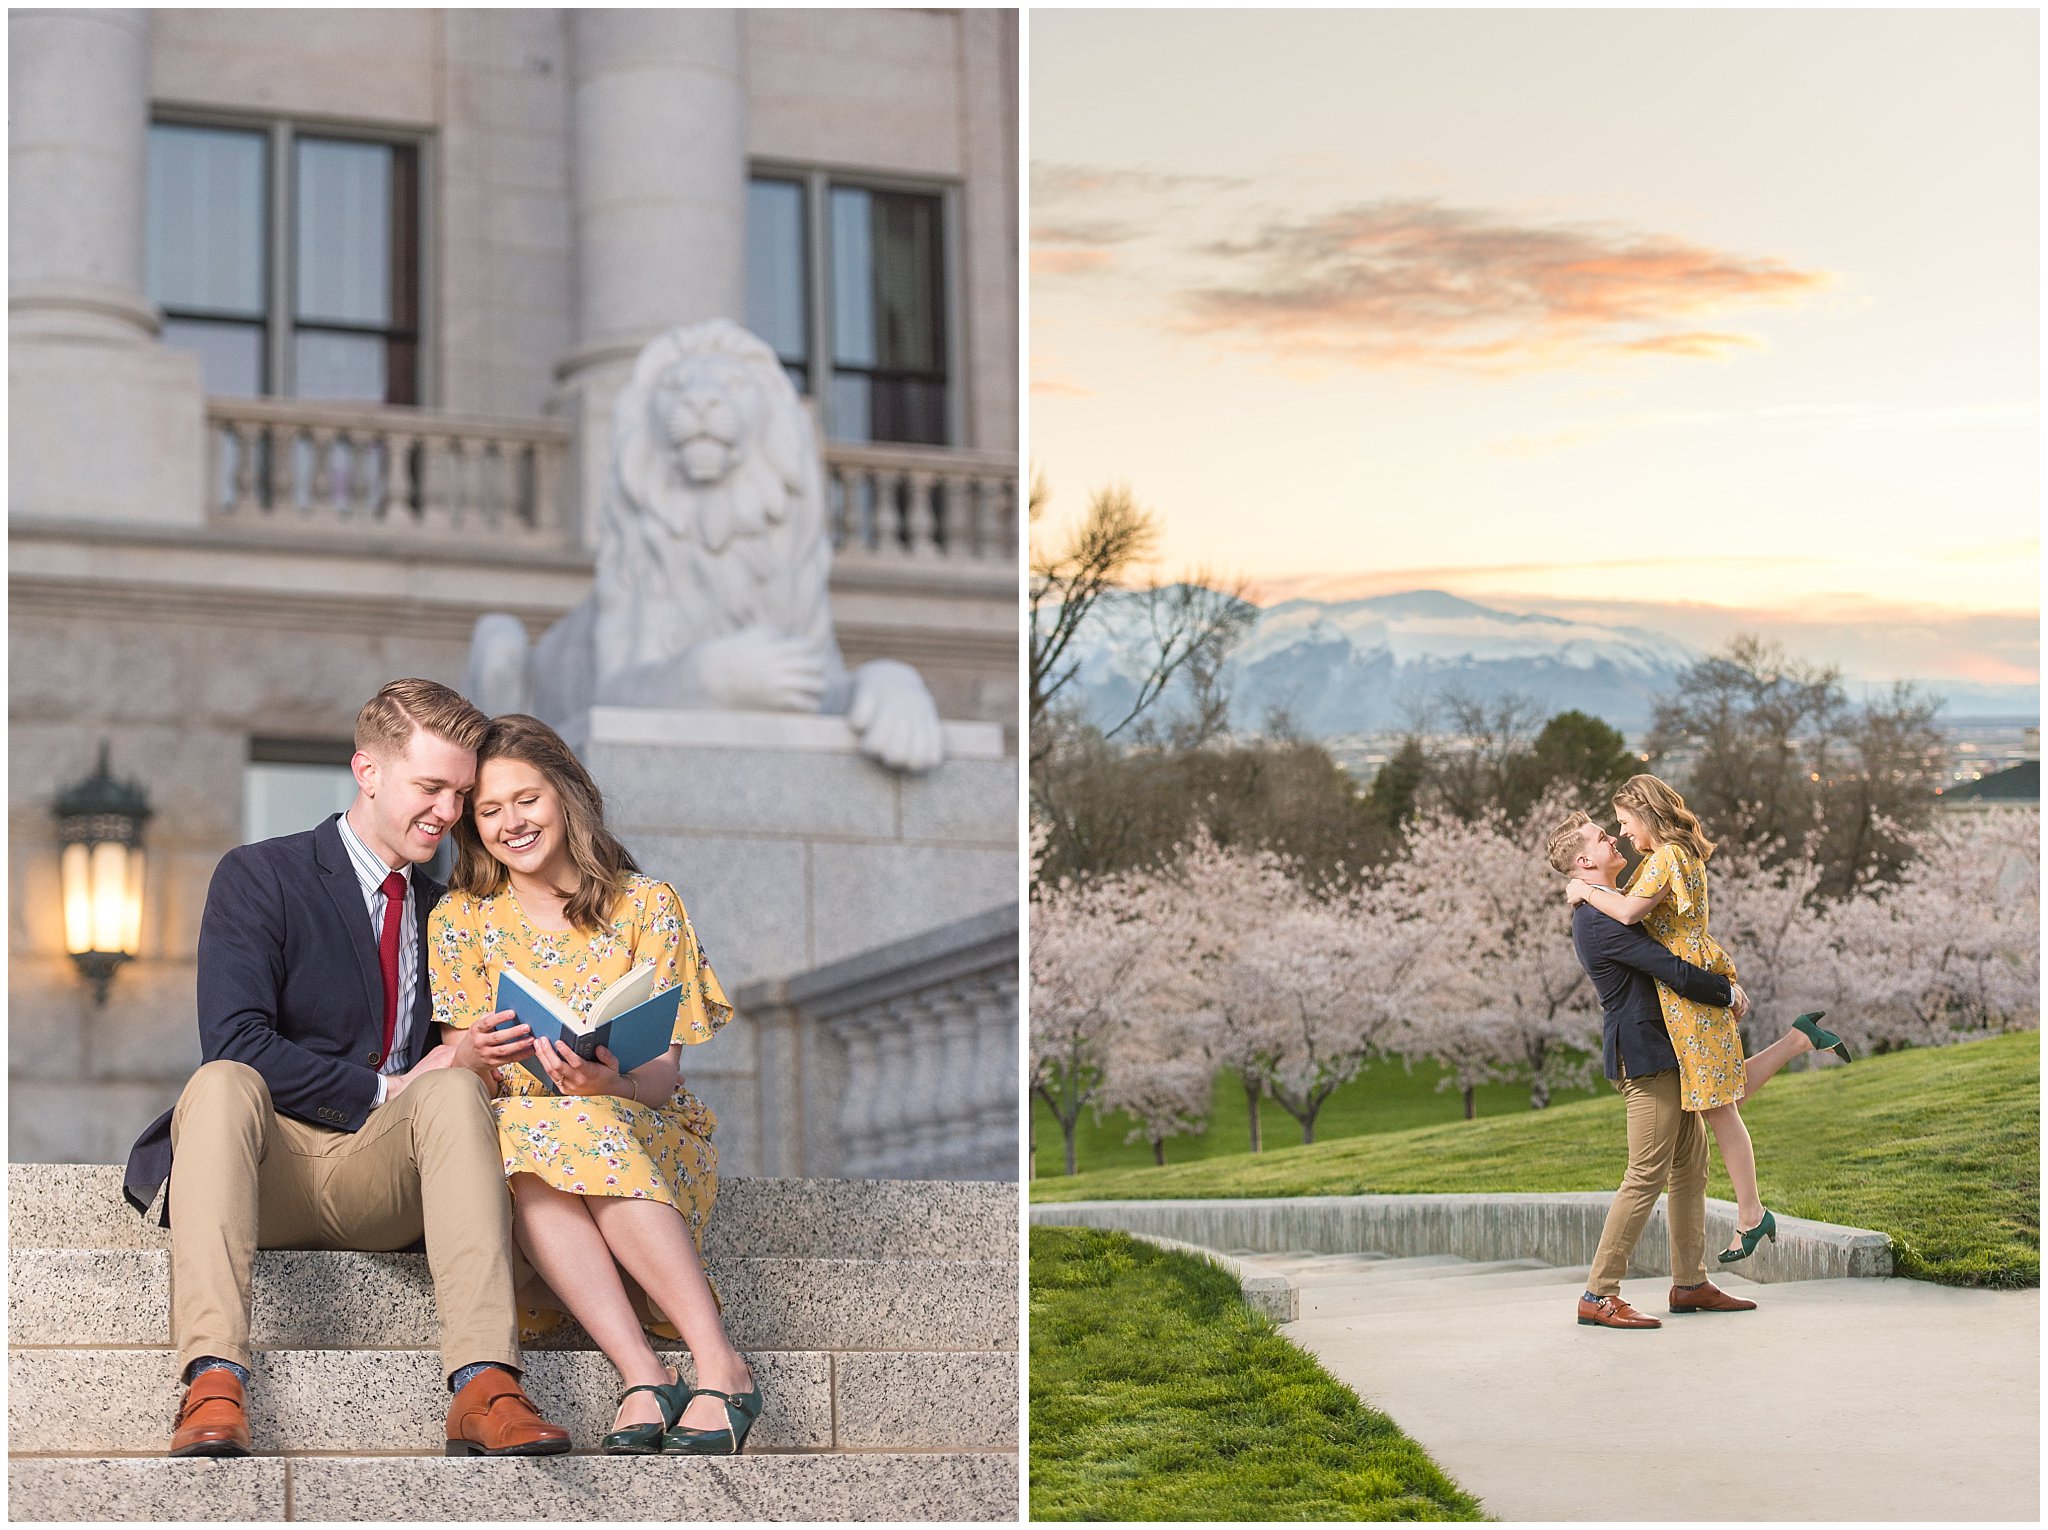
{"x":492,"y":1417}
{"x":1612,"y":1312}
{"x":1707,"y":1297}
{"x":212,"y":1421}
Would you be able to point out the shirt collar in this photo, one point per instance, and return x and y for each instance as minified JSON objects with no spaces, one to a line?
{"x":370,"y":868}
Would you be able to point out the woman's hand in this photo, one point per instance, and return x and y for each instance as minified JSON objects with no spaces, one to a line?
{"x":572,"y":1075}
{"x":1576,"y":891}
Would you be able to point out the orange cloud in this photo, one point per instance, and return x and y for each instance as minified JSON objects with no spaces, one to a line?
{"x":1415,"y":283}
{"x":1069,"y":262}
{"x":1060,"y":387}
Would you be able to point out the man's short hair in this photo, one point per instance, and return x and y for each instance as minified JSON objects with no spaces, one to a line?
{"x":1565,"y":844}
{"x":386,"y":724}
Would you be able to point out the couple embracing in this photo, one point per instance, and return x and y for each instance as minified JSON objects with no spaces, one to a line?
{"x":361,"y":1090}
{"x":1669,"y":1011}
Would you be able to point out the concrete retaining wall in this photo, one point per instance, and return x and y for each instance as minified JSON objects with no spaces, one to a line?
{"x":1561,"y":1229}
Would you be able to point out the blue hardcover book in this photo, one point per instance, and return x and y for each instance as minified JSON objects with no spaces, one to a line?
{"x":636,"y":1027}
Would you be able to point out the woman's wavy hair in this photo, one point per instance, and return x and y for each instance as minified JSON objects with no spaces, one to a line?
{"x":602,"y":863}
{"x":1665,"y":812}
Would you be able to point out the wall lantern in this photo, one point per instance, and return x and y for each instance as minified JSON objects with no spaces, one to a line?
{"x":99,"y":827}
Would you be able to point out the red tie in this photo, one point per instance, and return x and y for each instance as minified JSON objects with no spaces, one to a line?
{"x":387,"y":954}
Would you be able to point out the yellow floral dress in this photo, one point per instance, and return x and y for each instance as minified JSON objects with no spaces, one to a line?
{"x":1705,"y":1037}
{"x":588,"y":1144}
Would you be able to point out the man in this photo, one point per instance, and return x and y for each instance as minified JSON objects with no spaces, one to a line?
{"x":1667,"y":1146}
{"x":321,"y":1116}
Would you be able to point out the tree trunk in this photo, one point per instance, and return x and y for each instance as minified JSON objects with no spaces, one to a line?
{"x":1067,"y":1130}
{"x":1308,"y":1122}
{"x":1539,"y":1093}
{"x":1468,"y":1102}
{"x":1252,"y":1090}
{"x":1159,"y":1152}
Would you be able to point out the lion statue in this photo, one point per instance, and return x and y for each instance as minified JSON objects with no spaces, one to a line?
{"x":712,"y":564}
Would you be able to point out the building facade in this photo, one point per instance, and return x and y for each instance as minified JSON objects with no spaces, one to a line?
{"x":315,"y":322}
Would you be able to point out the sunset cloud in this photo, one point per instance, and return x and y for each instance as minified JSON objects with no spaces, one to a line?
{"x":1056,"y":261}
{"x":1056,"y":184}
{"x":1411,"y":282}
{"x":1060,"y":387}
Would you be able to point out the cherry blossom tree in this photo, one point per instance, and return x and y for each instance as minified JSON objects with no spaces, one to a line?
{"x":1502,"y":995}
{"x":1951,"y":951}
{"x":1105,"y":956}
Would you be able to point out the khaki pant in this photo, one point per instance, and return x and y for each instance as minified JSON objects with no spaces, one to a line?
{"x":427,"y":1161}
{"x":1667,"y":1146}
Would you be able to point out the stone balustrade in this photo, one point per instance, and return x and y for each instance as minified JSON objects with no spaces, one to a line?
{"x":380,"y":471}
{"x":294,"y":465}
{"x":924,"y":504}
{"x":909,"y":1053}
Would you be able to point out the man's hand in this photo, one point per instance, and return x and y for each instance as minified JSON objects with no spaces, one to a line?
{"x":572,"y":1075}
{"x":491,"y":1042}
{"x":1739,"y":1001}
{"x":442,"y":1056}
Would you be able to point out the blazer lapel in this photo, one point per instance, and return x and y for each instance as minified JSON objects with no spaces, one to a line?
{"x":425,"y":895}
{"x":338,"y":875}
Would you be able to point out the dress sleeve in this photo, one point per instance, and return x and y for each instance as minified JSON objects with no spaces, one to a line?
{"x":456,"y":968}
{"x":670,"y":940}
{"x":1665,"y":867}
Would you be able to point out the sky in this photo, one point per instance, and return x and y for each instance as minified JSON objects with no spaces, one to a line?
{"x":1700,"y":321}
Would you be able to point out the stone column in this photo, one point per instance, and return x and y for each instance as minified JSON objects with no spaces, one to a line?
{"x":104,"y":424}
{"x":658,"y":147}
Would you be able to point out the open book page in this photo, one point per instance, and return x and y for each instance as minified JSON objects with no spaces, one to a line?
{"x":626,"y":993}
{"x":629,"y":992}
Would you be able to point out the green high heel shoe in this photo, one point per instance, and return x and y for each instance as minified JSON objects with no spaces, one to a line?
{"x":645,"y":1439}
{"x":1822,"y":1040}
{"x":740,"y":1413}
{"x":1767,"y":1228}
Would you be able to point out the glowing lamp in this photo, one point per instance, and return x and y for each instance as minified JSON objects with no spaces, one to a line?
{"x":99,"y":830}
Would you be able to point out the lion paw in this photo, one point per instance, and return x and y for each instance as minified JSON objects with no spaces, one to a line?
{"x":895,"y":716}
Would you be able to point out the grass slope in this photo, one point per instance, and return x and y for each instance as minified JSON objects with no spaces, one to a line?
{"x":1388,"y":1096}
{"x":1940,"y":1148}
{"x":1156,"y":1395}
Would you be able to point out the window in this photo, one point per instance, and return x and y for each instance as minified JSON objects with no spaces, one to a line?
{"x":849,"y":283}
{"x":288,"y":259}
{"x":291,"y":785}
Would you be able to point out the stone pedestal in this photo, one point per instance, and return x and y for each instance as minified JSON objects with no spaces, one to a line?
{"x":793,"y":852}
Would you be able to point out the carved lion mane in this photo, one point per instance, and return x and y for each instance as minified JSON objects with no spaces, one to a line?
{"x":714,"y":516}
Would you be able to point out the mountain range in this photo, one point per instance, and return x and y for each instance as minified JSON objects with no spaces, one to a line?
{"x":1372,"y":665}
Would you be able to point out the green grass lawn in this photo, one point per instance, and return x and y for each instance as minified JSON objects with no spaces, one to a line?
{"x":1939,"y":1148}
{"x":1387,"y":1097}
{"x":1156,"y":1395}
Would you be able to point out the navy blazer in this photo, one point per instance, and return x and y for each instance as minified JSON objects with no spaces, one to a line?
{"x":1626,"y":966}
{"x":289,"y":983}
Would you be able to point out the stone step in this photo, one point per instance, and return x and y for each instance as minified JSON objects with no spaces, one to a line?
{"x":850,"y":1486}
{"x":327,"y":1299}
{"x":70,"y":1205}
{"x":121,"y":1401}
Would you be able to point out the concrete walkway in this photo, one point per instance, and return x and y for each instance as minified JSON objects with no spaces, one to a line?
{"x":1835,"y":1400}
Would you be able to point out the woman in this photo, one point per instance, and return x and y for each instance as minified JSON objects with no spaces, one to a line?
{"x":1668,"y":896}
{"x":616,"y":1172}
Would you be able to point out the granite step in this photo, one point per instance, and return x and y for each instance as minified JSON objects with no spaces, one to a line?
{"x":121,"y":1401}
{"x":337,"y":1299}
{"x":79,"y":1206}
{"x":843,"y":1486}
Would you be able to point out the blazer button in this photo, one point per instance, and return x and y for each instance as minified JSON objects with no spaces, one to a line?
{"x":374,"y":1059}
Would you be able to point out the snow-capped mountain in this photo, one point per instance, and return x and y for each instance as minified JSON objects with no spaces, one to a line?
{"x":1362,"y":666}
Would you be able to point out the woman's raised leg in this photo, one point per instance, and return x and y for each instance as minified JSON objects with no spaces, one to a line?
{"x":1738,"y":1157}
{"x":559,"y":1236}
{"x":652,"y":1242}
{"x":1757,"y":1070}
